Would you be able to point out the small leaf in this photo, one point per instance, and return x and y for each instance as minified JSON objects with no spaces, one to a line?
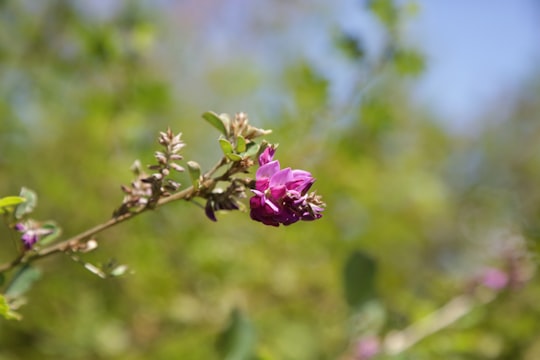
{"x":233,"y":157}
{"x":95,"y":270}
{"x":22,"y":281}
{"x":359,"y":279}
{"x":252,"y":149}
{"x":240,"y":144}
{"x":27,"y":206}
{"x":55,"y":232}
{"x":119,"y":270}
{"x":10,"y":201}
{"x":226,"y":146}
{"x":5,"y":310}
{"x":386,"y":11}
{"x":237,"y":341}
{"x":409,"y":62}
{"x":195,"y":173}
{"x":216,"y":121}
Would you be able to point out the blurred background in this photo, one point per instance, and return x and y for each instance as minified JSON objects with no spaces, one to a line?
{"x":419,"y":119}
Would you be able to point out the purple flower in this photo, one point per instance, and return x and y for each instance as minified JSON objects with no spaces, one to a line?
{"x":31,"y":233}
{"x":367,"y":348}
{"x":281,"y":195}
{"x":494,"y":278}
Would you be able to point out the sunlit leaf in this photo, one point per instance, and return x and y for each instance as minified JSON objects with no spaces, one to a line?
{"x":22,"y":281}
{"x":409,"y":62}
{"x":226,"y":146}
{"x":240,"y":144}
{"x":237,"y":340}
{"x":385,"y":10}
{"x":359,"y":279}
{"x":216,"y":121}
{"x":252,"y":149}
{"x":233,"y":157}
{"x":9,"y":201}
{"x":119,"y":270}
{"x":27,"y":206}
{"x":5,"y":310}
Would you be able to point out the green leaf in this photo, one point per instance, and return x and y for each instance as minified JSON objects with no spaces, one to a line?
{"x":5,"y":310}
{"x":233,"y":157}
{"x":385,"y":10}
{"x":22,"y":281}
{"x":194,"y":173}
{"x":217,"y":121}
{"x":409,"y":62}
{"x":359,"y":279}
{"x":55,"y":232}
{"x":226,"y":146}
{"x":252,"y":149}
{"x":6,"y":203}
{"x":119,"y":270}
{"x":237,"y":340}
{"x":27,"y":206}
{"x":240,"y":144}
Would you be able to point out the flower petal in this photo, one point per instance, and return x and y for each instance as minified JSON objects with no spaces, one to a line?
{"x":281,"y":177}
{"x":267,"y":155}
{"x":267,"y":170}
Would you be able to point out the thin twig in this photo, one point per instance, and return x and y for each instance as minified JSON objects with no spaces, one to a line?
{"x":73,"y":242}
{"x":398,"y":341}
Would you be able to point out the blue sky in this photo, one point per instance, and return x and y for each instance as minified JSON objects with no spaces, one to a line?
{"x":478,"y":52}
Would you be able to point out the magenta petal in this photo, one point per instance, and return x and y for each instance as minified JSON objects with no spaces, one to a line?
{"x":280,"y":195}
{"x":301,"y":174}
{"x":267,"y":170}
{"x":282,"y":177}
{"x":302,"y":181}
{"x":267,"y":155}
{"x":262,"y":184}
{"x":29,"y":238}
{"x":277,"y":192}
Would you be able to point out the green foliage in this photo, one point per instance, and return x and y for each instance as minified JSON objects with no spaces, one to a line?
{"x":221,"y":123}
{"x":5,"y":310}
{"x":385,"y":10}
{"x":240,"y":144}
{"x":226,"y":146}
{"x":9,"y":202}
{"x":359,"y":278}
{"x":22,"y":281}
{"x":409,"y":62}
{"x":237,"y":341}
